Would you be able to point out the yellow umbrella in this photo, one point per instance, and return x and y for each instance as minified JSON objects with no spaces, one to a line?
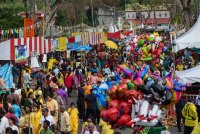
{"x":110,"y":44}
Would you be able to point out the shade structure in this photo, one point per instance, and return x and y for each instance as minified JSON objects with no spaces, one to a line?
{"x":111,"y":44}
{"x":83,"y":48}
{"x":190,"y":75}
{"x":40,"y":45}
{"x":190,"y":39}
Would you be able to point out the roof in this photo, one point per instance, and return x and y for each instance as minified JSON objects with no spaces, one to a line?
{"x":137,"y":6}
{"x":190,"y":39}
{"x":151,"y":21}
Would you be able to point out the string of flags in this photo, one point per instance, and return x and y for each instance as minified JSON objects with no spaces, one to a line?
{"x":15,"y":31}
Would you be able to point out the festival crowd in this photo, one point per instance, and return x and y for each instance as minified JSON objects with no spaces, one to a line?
{"x":39,"y":104}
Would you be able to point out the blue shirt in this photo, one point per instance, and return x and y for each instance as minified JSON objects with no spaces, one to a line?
{"x":16,"y":110}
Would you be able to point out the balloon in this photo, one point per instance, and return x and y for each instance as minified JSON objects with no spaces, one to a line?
{"x":158,"y":39}
{"x":130,"y":85}
{"x":137,"y":80}
{"x":164,"y":49}
{"x":161,"y":45}
{"x":112,"y":92}
{"x":125,"y":107}
{"x":146,"y":59}
{"x":162,"y":56}
{"x":124,"y":120}
{"x":141,"y":42}
{"x":168,"y":98}
{"x":104,"y":115}
{"x":126,"y":80}
{"x":158,"y":89}
{"x":113,"y":104}
{"x":143,"y":89}
{"x":120,"y":90}
{"x":113,"y":115}
{"x":150,"y":39}
{"x":153,"y":56}
{"x":153,"y":47}
{"x":135,"y":40}
{"x":132,"y":96}
{"x":131,"y":43}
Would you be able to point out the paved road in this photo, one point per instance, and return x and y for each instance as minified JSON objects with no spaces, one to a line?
{"x":172,"y":130}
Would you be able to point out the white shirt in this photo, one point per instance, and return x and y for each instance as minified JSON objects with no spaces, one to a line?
{"x":49,"y":118}
{"x":88,"y":132}
{"x":3,"y":125}
{"x":64,"y":122}
{"x":27,"y":78}
{"x":14,"y":128}
{"x":18,"y":92}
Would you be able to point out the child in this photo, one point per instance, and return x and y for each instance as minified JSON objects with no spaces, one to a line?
{"x":46,"y":129}
{"x":73,"y":118}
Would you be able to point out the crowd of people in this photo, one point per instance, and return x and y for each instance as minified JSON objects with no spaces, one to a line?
{"x":39,"y":104}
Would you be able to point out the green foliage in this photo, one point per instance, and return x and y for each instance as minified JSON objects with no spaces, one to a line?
{"x":9,"y":14}
{"x":89,"y":17}
{"x":61,"y":19}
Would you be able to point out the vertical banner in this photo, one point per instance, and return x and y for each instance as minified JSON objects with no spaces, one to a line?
{"x":54,"y":45}
{"x":62,"y":42}
{"x":29,"y":27}
{"x":21,"y":53}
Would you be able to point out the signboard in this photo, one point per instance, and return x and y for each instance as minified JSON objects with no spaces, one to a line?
{"x":29,"y":27}
{"x":21,"y":53}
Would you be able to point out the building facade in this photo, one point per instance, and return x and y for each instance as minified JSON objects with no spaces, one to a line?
{"x":148,"y":18}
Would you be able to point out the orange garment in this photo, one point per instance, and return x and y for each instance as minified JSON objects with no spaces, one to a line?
{"x":87,"y":89}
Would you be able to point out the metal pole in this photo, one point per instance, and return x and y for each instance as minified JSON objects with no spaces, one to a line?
{"x":92,"y":15}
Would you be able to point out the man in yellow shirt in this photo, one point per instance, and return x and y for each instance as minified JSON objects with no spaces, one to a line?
{"x":189,"y":112}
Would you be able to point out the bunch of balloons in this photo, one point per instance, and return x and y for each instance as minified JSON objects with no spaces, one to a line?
{"x":150,"y":47}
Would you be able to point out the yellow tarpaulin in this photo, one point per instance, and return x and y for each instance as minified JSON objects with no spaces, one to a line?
{"x":62,"y":44}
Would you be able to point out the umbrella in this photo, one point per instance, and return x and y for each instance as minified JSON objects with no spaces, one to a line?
{"x":110,"y":44}
{"x":83,"y":48}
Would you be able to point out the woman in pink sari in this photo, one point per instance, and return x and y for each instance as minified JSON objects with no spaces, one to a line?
{"x":78,"y":79}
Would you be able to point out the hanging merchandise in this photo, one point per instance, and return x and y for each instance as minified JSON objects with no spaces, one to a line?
{"x":34,"y":60}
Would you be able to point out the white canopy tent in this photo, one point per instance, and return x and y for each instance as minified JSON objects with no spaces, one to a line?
{"x":190,"y":39}
{"x":189,"y":76}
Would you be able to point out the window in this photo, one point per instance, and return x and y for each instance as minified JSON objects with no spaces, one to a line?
{"x":143,"y":16}
{"x":128,"y":16}
{"x":133,"y":16}
{"x":160,"y":15}
{"x":165,"y":14}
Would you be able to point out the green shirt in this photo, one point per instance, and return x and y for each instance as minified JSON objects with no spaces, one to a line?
{"x":46,"y":132}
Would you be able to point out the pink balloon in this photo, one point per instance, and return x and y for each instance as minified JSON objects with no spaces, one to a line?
{"x":153,"y":47}
{"x":131,"y":43}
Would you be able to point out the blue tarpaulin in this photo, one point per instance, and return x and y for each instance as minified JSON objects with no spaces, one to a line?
{"x":6,"y":74}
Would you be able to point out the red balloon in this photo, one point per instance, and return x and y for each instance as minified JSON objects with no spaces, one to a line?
{"x":104,"y":115}
{"x":126,"y":80}
{"x":125,"y":107}
{"x":121,"y":89}
{"x":130,"y":94}
{"x":114,"y":104}
{"x":161,"y":45}
{"x":113,"y":115}
{"x":124,"y":119}
{"x":112,"y":92}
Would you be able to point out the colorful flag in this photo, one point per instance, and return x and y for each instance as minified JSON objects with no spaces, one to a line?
{"x":62,"y":43}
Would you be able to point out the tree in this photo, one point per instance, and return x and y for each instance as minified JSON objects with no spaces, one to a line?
{"x":186,"y":12}
{"x":9,"y":14}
